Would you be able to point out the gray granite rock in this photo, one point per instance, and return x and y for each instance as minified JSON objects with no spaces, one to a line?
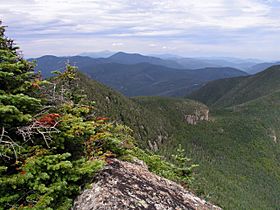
{"x":124,"y":185}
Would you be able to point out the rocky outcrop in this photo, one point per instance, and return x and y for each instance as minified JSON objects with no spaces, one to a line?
{"x":122,"y":185}
{"x":153,"y":146}
{"x":272,"y":135}
{"x":201,"y":115}
{"x":159,"y":140}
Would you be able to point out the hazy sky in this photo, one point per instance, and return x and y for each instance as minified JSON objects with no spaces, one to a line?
{"x":239,"y":28}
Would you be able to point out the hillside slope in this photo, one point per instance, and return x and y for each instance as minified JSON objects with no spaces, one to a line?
{"x":237,"y":149}
{"x":261,"y":67}
{"x":233,"y":91}
{"x":149,"y":128}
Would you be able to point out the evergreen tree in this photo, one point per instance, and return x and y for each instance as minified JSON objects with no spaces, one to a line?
{"x":17,"y":81}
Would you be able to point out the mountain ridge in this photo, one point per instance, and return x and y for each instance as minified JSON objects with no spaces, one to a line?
{"x":136,"y":58}
{"x":239,"y":90}
{"x":249,"y":65}
{"x":138,"y":79}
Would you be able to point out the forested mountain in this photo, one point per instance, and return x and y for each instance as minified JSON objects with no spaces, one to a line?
{"x":147,"y":125}
{"x":126,"y":58}
{"x":236,"y":144}
{"x":138,"y":79}
{"x":237,"y":148}
{"x":249,"y":108}
{"x":234,"y":91}
{"x":261,"y":66}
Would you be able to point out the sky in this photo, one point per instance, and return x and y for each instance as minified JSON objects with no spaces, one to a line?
{"x":191,"y":28}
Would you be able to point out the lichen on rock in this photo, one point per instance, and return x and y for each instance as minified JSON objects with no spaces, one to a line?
{"x":123,"y":185}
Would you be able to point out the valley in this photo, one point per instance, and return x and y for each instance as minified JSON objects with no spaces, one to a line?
{"x":237,"y":148}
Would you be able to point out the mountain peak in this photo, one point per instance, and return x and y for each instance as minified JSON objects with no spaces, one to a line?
{"x":124,"y":54}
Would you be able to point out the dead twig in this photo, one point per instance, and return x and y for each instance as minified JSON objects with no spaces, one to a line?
{"x":35,"y":128}
{"x":7,"y":141}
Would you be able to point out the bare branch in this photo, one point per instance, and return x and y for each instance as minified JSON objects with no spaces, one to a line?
{"x":2,"y":134}
{"x":9,"y":142}
{"x":44,"y":111}
{"x":35,"y":128}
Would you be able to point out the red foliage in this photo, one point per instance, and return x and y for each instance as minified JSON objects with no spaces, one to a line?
{"x":102,"y":118}
{"x":36,"y":83}
{"x":48,"y":119}
{"x":23,"y":172}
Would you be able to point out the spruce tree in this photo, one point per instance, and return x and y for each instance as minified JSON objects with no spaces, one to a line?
{"x":17,"y":81}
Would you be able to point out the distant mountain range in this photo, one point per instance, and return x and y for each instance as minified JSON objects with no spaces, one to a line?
{"x":138,"y":75}
{"x":126,"y":58}
{"x":249,"y":65}
{"x":194,"y":63}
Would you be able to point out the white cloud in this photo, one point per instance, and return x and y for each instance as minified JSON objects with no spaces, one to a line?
{"x":117,"y":44}
{"x":201,"y":22}
{"x":152,"y":45}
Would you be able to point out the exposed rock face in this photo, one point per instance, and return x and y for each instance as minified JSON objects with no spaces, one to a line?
{"x":155,"y":145}
{"x":123,"y":185}
{"x":201,"y":115}
{"x":273,"y":136}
